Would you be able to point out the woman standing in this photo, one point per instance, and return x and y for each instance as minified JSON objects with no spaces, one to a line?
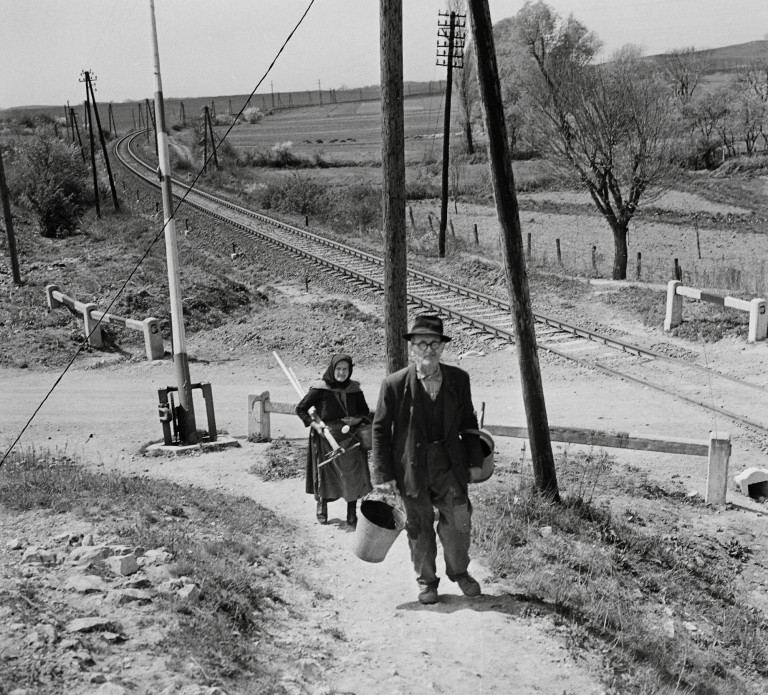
{"x":338,"y":401}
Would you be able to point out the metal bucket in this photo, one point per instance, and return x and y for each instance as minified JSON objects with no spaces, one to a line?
{"x":378,"y":526}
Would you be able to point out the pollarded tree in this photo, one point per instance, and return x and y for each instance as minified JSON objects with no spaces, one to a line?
{"x":609,"y":124}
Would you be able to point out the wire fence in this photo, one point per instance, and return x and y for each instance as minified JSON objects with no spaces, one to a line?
{"x":737,"y":274}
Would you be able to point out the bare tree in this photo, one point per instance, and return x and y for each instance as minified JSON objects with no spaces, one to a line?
{"x":683,"y":67}
{"x":705,"y":116}
{"x":754,"y":78}
{"x":609,"y":124}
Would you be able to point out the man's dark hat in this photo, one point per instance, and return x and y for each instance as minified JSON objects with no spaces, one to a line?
{"x":427,"y":325}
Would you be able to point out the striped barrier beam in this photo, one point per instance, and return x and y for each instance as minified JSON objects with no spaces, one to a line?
{"x":758,"y":315}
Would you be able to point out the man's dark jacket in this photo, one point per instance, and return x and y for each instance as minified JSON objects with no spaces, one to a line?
{"x":399,"y":435}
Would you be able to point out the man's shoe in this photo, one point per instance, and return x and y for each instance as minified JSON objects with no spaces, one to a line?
{"x":469,"y":586}
{"x":428,"y":595}
{"x":322,"y":511}
{"x":352,"y":513}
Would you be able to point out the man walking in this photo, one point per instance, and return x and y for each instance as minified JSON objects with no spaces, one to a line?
{"x":417,"y":449}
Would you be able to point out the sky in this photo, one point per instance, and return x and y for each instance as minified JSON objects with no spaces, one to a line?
{"x":225,"y":47}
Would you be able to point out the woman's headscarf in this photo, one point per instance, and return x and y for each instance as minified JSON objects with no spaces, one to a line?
{"x":328,"y":374}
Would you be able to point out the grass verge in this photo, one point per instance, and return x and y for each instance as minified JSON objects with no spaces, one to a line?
{"x":239,"y":554}
{"x":659,"y":605}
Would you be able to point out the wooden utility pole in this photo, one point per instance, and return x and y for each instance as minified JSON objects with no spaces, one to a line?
{"x":209,"y":125}
{"x":393,"y":185}
{"x":112,"y":124}
{"x":92,"y":146}
{"x":185,"y":411}
{"x":89,"y":85}
{"x":514,"y":257}
{"x":151,"y":117}
{"x":446,"y":55}
{"x":6,"y":201}
{"x":75,"y":129}
{"x":68,"y":124}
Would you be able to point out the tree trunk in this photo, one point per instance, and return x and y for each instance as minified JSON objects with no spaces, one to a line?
{"x":620,"y":254}
{"x":468,"y":137}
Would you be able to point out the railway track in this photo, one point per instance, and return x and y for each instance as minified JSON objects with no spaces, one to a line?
{"x":488,"y":317}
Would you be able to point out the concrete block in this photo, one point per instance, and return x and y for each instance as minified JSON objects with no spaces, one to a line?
{"x":753,"y":482}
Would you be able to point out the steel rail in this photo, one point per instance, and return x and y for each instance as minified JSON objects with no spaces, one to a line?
{"x":448,"y":291}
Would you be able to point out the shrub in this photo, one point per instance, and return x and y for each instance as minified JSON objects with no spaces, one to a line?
{"x":297,"y":194}
{"x":252,"y":115}
{"x":53,"y":183}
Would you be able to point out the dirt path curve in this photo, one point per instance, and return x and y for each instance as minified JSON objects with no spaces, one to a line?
{"x":392,"y":643}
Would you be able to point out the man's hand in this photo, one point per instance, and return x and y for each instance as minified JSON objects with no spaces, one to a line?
{"x":388,"y":488}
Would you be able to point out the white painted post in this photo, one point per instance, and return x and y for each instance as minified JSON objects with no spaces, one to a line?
{"x":92,"y":333}
{"x":717,"y":472}
{"x":674,"y":315}
{"x":758,"y":321}
{"x":53,"y":303}
{"x":153,"y":339}
{"x":258,"y":416}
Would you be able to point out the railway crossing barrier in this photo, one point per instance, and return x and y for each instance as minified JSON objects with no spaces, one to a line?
{"x":717,"y":449}
{"x":758,"y":315}
{"x":93,"y":320}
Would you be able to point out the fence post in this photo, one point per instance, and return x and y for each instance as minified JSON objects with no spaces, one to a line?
{"x":53,"y":303}
{"x":258,"y":416}
{"x":758,"y":321}
{"x":153,"y":339}
{"x":594,"y":259}
{"x":639,"y":268}
{"x":477,"y":238}
{"x":717,"y":471}
{"x":674,"y":316}
{"x":559,"y":254}
{"x":529,"y":246}
{"x":92,"y":332}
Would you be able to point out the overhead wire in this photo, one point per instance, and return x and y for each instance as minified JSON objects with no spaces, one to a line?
{"x":157,"y":236}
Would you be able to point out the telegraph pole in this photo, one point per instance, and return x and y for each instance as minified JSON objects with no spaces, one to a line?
{"x":393,"y":184}
{"x":75,"y":129}
{"x":514,"y":258}
{"x":450,"y":52}
{"x":112,"y":125}
{"x":89,"y":85}
{"x":90,"y":138}
{"x":185,"y":411}
{"x":6,"y":201}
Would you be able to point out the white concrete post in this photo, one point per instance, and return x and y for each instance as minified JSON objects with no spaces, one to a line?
{"x":95,"y":338}
{"x":674,"y":315}
{"x":258,"y":416}
{"x":153,"y":339}
{"x":717,"y":472}
{"x":758,"y":321}
{"x":53,"y":303}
